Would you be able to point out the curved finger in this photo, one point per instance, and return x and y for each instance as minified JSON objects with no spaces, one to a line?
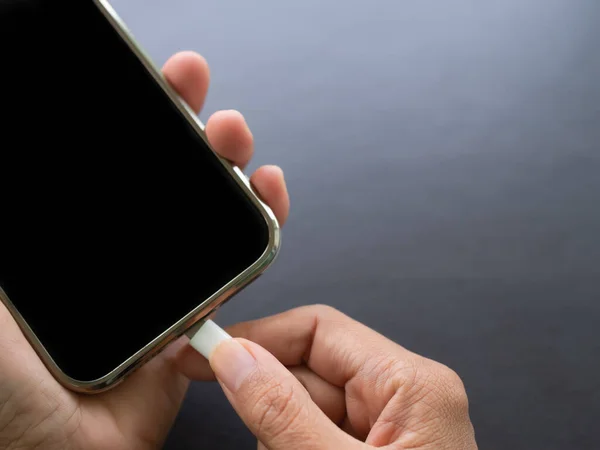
{"x":329,"y":398}
{"x":344,"y":352}
{"x":188,"y":73}
{"x":230,"y":136}
{"x":330,"y":343}
{"x":269,"y":183}
{"x":271,"y":401}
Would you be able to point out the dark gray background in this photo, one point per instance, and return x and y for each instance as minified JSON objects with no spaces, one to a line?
{"x":442,"y":159}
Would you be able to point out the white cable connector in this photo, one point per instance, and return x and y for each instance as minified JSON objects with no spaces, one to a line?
{"x":208,"y":336}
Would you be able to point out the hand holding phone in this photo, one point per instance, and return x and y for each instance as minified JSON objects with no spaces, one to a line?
{"x":101,"y":161}
{"x":37,"y":410}
{"x":121,"y":227}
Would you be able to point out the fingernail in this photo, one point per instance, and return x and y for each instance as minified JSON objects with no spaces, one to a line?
{"x":232,"y":363}
{"x":208,"y":337}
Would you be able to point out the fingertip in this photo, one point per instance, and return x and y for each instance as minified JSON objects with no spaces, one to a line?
{"x":189,"y":74}
{"x":270,"y":400}
{"x":230,"y":123}
{"x":231,"y":137}
{"x":187,"y":63}
{"x":232,"y":115}
{"x":269,"y":181}
{"x":272,"y":171}
{"x":233,"y":362}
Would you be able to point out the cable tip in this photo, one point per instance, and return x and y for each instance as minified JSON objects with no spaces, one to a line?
{"x":208,"y":337}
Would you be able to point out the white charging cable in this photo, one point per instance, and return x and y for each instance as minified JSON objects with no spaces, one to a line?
{"x":208,"y":336}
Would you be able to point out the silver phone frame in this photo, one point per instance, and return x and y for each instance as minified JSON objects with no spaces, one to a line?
{"x":206,"y":307}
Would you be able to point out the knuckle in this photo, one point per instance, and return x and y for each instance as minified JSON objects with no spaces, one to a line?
{"x":404,"y":374}
{"x":458,"y":399}
{"x":432,"y":393}
{"x":275,"y":410}
{"x":322,"y":310}
{"x":449,"y":390}
{"x":451,"y":377}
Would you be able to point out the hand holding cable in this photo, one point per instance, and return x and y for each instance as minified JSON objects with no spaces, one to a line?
{"x":345,"y":386}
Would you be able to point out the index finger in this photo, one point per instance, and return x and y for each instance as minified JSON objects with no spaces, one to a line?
{"x":330,"y":343}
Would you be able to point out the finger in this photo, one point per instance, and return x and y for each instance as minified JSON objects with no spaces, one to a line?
{"x":269,"y":182}
{"x":188,"y":74}
{"x":271,"y":401}
{"x":329,"y":398}
{"x":230,"y":136}
{"x":345,"y":353}
{"x":349,"y":429}
{"x":314,"y":334}
{"x":331,"y":344}
{"x":193,"y":365}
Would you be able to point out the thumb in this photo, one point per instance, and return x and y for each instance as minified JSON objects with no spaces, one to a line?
{"x":271,"y":401}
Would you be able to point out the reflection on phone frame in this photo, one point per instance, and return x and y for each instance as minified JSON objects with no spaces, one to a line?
{"x":198,"y":314}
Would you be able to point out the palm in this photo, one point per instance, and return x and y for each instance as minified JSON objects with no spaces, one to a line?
{"x":136,"y":414}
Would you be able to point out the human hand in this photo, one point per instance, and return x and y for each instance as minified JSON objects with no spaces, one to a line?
{"x":345,"y":386}
{"x":37,"y":412}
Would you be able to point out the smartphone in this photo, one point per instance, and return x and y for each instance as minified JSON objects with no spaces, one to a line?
{"x":120,"y":227}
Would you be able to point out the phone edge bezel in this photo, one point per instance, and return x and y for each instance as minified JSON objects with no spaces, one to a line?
{"x":143,"y":355}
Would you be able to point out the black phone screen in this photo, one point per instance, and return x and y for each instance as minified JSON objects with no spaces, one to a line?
{"x":116,"y":219}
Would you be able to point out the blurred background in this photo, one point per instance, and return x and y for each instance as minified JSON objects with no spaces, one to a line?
{"x":443,"y":161}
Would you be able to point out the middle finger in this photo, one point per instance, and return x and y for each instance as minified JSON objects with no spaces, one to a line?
{"x":230,"y":136}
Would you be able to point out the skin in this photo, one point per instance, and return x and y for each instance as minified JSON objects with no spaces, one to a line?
{"x":314,"y":378}
{"x":307,"y":378}
{"x":36,"y":412}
